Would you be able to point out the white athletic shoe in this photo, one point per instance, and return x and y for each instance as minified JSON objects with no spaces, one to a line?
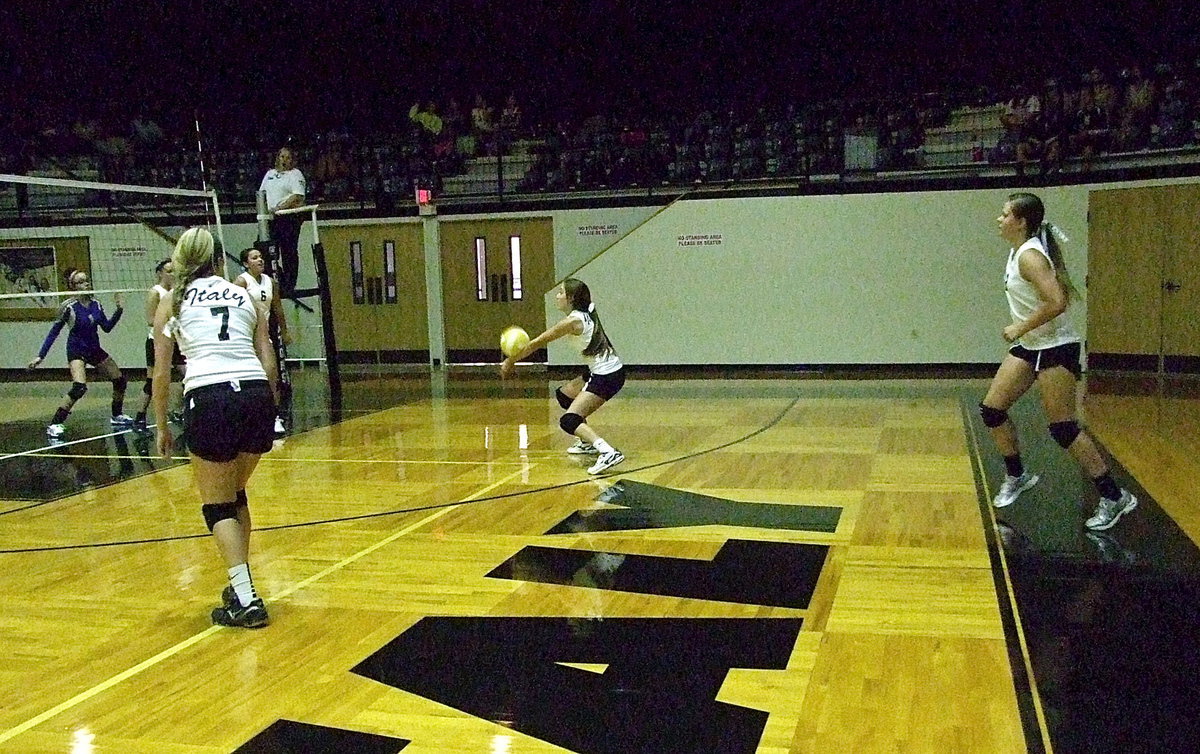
{"x":1108,"y":512}
{"x":606,"y":461}
{"x":1012,"y":488}
{"x":581,"y":448}
{"x":121,"y":420}
{"x":279,"y":428}
{"x":55,"y":431}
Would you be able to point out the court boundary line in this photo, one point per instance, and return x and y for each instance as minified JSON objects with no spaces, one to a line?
{"x":1028,"y":697}
{"x":268,"y":459}
{"x":178,"y":647}
{"x":437,"y":506}
{"x":65,"y":444}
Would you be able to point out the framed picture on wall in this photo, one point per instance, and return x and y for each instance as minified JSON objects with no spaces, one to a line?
{"x":33,"y":266}
{"x":26,"y":271}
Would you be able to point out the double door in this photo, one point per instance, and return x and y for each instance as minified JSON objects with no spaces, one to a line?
{"x":495,"y":273}
{"x":377,"y":287}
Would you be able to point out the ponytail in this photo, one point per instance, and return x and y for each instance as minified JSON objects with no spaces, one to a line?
{"x":581,"y":300}
{"x":1052,"y":239}
{"x":1029,"y":208}
{"x":600,"y":342}
{"x":193,"y":259}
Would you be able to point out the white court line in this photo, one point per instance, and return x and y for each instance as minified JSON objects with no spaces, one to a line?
{"x":63,"y":444}
{"x":269,"y":459}
{"x":190,"y":641}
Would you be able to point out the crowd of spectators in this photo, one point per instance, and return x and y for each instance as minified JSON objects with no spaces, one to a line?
{"x":1125,"y":110}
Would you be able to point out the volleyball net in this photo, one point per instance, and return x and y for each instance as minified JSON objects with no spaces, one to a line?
{"x":115,"y":233}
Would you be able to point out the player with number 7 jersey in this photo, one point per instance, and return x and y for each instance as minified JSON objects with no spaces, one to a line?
{"x":228,"y":414}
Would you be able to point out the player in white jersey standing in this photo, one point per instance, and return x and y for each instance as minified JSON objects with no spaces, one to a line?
{"x":164,"y":272}
{"x":1046,"y":350}
{"x":266,"y":296}
{"x":604,"y":377}
{"x":228,"y":411}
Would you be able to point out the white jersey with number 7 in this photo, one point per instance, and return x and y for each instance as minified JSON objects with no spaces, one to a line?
{"x":215,"y":332}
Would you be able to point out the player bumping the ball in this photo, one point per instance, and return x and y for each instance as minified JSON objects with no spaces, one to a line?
{"x":604,"y":377}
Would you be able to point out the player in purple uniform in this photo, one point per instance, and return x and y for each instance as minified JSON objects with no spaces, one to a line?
{"x":84,"y":318}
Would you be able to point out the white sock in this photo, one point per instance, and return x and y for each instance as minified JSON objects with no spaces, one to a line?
{"x":602,"y":446}
{"x":239,"y":579}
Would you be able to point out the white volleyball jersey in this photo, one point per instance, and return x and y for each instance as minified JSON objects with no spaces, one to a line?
{"x":260,"y":290}
{"x":162,"y":293}
{"x":280,"y":186}
{"x":1023,"y":299}
{"x":215,"y":332}
{"x":605,"y":362}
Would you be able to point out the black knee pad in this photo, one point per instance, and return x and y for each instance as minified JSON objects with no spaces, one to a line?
{"x":120,"y":383}
{"x":570,"y":422}
{"x":146,"y":388}
{"x":77,"y":390}
{"x":214,"y":513}
{"x":564,"y":400}
{"x":992,"y":417}
{"x":1064,"y":433}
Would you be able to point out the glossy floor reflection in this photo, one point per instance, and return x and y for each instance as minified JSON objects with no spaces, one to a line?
{"x":649,"y":506}
{"x":69,"y":468}
{"x":1110,"y":618}
{"x":93,"y":454}
{"x":777,"y":574}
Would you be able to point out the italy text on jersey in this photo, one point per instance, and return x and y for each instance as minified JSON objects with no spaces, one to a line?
{"x":197,"y":297}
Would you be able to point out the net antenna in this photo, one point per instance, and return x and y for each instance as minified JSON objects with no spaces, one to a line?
{"x":204,"y":186}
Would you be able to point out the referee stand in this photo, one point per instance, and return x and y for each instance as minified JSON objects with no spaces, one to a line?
{"x":270,"y":246}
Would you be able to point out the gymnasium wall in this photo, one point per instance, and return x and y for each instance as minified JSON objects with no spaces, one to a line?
{"x":900,"y":278}
{"x":912,"y":278}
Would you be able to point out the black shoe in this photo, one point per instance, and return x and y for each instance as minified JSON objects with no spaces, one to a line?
{"x":175,"y":417}
{"x":139,"y":426}
{"x":253,"y":615}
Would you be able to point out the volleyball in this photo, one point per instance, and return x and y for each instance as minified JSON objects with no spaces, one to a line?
{"x":512,"y":340}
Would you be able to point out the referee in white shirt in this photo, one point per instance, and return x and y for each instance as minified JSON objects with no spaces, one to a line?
{"x":285,"y":188}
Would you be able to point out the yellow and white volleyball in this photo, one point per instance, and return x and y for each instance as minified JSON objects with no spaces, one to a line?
{"x":512,"y":340}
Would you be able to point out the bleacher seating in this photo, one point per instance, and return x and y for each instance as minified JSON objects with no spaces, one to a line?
{"x":968,"y":137}
{"x":481,"y":175}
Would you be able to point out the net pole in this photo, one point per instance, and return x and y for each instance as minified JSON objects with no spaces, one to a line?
{"x":262,"y":216}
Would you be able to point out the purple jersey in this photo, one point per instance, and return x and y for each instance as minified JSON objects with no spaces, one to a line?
{"x":85,"y":322}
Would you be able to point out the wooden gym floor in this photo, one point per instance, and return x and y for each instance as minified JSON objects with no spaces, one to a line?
{"x":791,"y":565}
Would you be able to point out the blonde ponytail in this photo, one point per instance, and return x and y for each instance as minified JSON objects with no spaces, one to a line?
{"x":192,"y":259}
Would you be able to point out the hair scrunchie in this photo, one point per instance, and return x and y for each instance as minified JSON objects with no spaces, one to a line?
{"x":1052,"y":230}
